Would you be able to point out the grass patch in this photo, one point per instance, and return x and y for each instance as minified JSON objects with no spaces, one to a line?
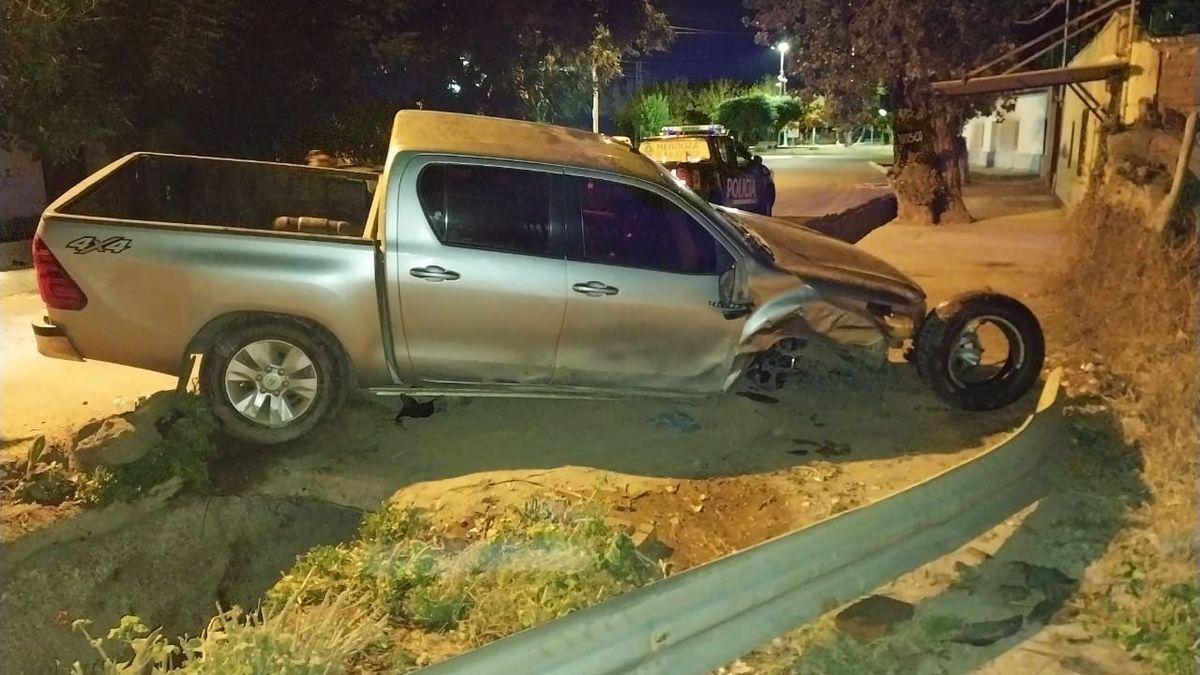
{"x":184,"y":453}
{"x":1130,"y":304}
{"x":375,"y":603}
{"x":290,"y":639}
{"x":536,"y":563}
{"x":187,"y":429}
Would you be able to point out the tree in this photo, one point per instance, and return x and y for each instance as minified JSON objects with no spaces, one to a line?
{"x":847,"y":49}
{"x":707,"y":97}
{"x":785,"y":110}
{"x":1171,"y":17}
{"x":750,"y":118}
{"x":273,"y":78}
{"x":644,"y":115}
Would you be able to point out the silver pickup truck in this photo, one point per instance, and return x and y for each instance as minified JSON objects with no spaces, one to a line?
{"x":489,"y":257}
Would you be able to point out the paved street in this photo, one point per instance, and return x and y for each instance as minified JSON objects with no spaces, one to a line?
{"x":815,"y":184}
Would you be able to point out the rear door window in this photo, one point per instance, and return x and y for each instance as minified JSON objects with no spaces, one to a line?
{"x":487,"y":207}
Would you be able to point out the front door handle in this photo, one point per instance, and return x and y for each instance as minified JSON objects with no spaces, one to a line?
{"x":434,"y":273}
{"x":594,"y":289}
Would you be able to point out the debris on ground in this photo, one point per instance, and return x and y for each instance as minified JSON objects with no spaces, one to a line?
{"x":984,"y":633}
{"x":411,"y":407}
{"x":757,"y":397}
{"x":126,"y":438}
{"x":872,"y":617}
{"x":677,"y":420}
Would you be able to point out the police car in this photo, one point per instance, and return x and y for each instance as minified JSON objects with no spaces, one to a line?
{"x":714,"y":166}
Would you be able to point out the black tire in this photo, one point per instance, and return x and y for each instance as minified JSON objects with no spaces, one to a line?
{"x":327,"y":362}
{"x":937,"y":346}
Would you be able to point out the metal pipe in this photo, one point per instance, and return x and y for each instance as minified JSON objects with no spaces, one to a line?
{"x":1163,"y":215}
{"x":1112,"y":4}
{"x":1075,"y":31}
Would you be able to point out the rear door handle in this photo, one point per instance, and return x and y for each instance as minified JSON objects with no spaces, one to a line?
{"x":594,"y":289}
{"x":434,"y":273}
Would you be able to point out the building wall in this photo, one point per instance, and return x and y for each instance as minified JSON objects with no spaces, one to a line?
{"x":22,"y":192}
{"x":1080,"y":130}
{"x":1178,"y":72}
{"x":1012,"y":141}
{"x":1162,"y":69}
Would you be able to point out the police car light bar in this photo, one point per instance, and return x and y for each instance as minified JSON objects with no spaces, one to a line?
{"x":710,"y":129}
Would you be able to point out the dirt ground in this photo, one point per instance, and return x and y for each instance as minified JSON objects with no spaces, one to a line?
{"x":711,"y":477}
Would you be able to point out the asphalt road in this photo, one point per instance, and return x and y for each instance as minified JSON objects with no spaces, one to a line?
{"x":819,"y":184}
{"x":40,"y":395}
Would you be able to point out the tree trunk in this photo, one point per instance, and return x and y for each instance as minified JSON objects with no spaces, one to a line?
{"x":927,"y":178}
{"x":946,"y":136}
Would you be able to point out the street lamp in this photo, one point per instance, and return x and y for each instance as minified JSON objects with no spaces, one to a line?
{"x":783,"y":47}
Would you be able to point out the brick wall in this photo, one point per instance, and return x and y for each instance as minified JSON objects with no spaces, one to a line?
{"x":1179,"y":73}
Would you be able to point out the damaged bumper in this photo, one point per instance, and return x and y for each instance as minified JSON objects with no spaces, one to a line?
{"x":52,"y":341}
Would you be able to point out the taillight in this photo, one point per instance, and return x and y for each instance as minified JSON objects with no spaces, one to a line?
{"x":58,"y":289}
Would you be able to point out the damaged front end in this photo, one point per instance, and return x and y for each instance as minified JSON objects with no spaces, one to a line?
{"x":818,"y":299}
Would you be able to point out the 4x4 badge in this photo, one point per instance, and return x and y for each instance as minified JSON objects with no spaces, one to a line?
{"x":89,"y":244}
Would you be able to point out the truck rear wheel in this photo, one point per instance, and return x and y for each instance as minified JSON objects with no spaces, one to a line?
{"x":272,"y":381}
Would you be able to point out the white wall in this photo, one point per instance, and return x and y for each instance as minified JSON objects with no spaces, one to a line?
{"x":1013,"y":141}
{"x":22,"y":191}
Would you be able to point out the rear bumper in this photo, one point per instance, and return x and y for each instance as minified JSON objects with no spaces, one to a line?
{"x":52,"y":341}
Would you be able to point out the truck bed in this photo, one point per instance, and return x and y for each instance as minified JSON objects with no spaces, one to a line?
{"x":164,"y":246}
{"x":225,"y":193}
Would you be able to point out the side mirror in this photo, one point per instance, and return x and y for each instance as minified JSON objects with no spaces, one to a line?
{"x":726,"y":285}
{"x":756,"y":160}
{"x":727,"y":293}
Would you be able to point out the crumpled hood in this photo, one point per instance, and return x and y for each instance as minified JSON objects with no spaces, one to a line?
{"x":822,"y":260}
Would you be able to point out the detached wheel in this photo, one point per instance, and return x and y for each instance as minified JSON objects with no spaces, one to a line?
{"x":980,"y":351}
{"x":272,"y":381}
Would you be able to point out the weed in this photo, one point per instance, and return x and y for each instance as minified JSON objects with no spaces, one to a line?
{"x":48,"y":484}
{"x":184,"y":454}
{"x":1165,"y":633}
{"x":293,"y":639}
{"x":1130,"y":302}
{"x":535,"y":563}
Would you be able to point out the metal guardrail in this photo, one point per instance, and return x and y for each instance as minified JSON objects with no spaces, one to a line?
{"x":710,"y":615}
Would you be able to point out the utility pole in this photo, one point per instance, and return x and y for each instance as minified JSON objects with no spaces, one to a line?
{"x":595,"y":100}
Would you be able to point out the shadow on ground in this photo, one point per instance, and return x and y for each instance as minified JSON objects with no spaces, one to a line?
{"x":365,"y":456}
{"x":1008,"y":612}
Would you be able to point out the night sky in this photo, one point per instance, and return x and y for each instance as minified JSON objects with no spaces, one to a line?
{"x":729,"y":51}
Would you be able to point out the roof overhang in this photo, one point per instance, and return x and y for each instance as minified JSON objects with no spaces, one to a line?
{"x":1034,"y":79}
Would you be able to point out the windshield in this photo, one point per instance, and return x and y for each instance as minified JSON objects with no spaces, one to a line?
{"x":757,"y":244}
